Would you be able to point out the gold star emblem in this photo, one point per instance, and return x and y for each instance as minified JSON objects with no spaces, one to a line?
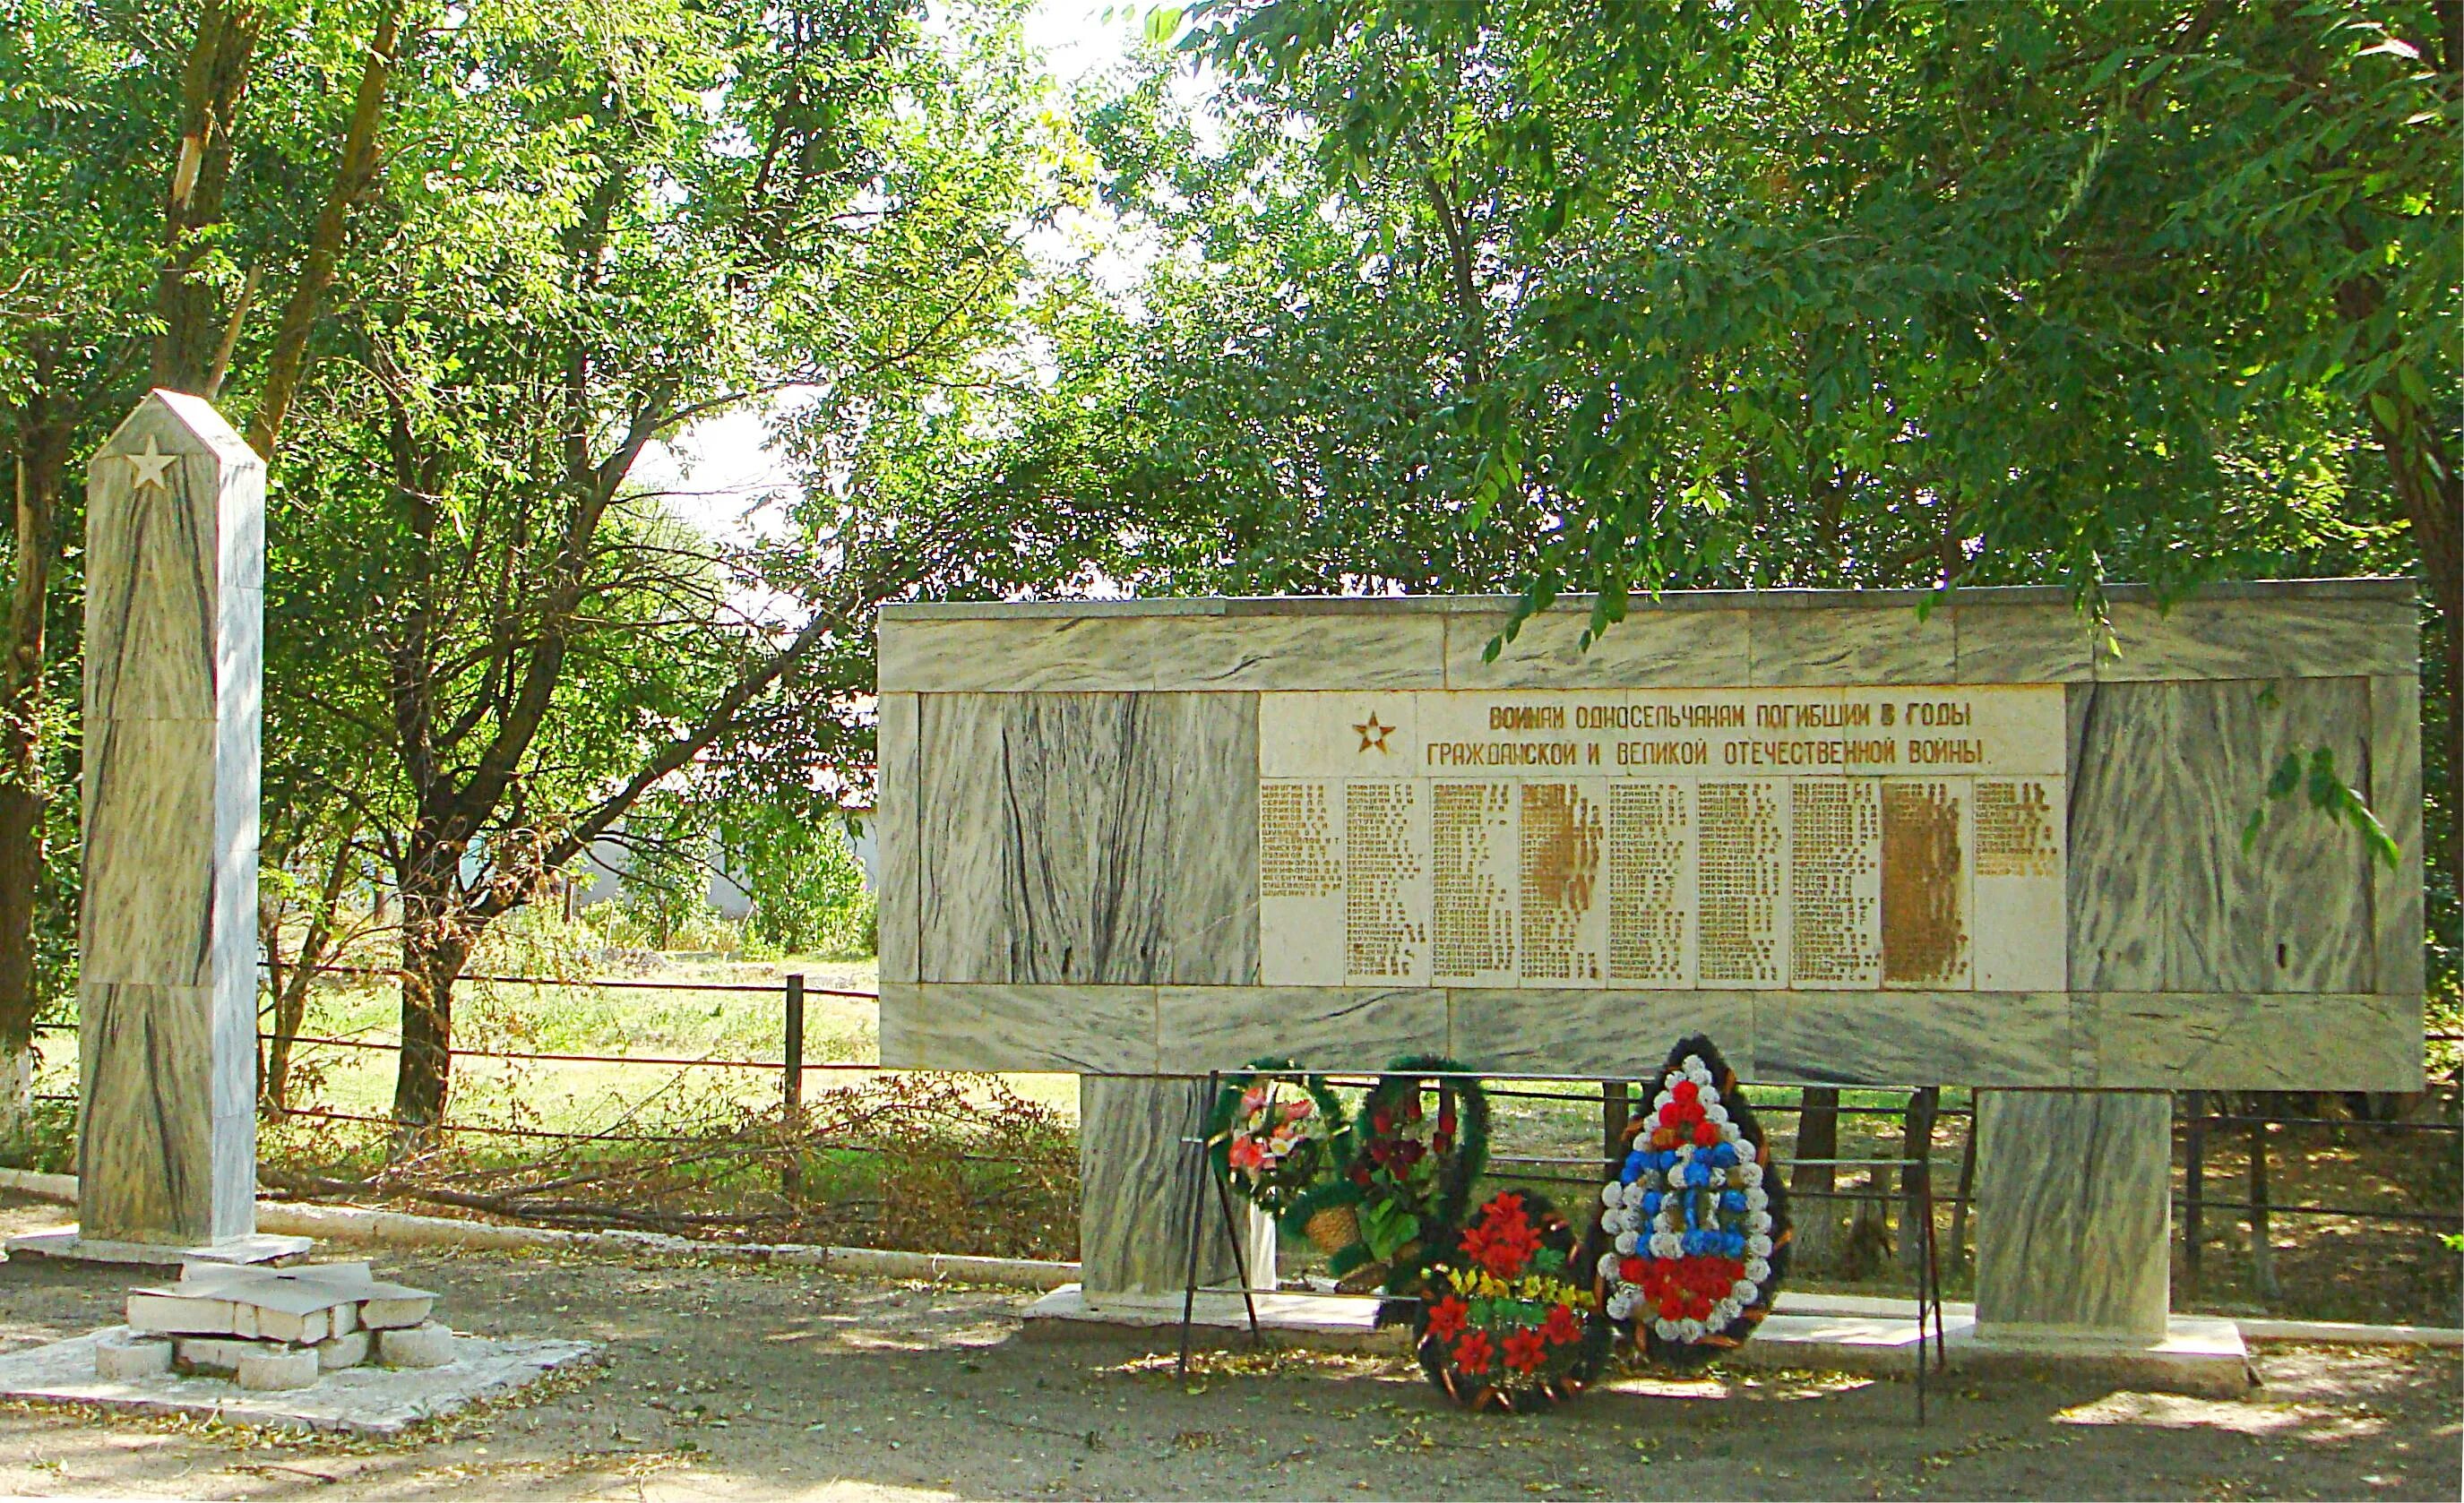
{"x":149,"y":468}
{"x":1372,"y":734}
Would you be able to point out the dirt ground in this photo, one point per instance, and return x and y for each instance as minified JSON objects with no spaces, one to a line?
{"x":751,"y":1382}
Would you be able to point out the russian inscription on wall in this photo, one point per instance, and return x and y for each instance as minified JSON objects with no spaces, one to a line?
{"x":1829,"y":838}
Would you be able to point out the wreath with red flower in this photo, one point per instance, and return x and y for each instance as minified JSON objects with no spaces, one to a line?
{"x":1276,"y":1132}
{"x":1506,"y":1323}
{"x":1693,"y":1236}
{"x":1421,"y":1141}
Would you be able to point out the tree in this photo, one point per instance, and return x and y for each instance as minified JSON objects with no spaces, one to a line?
{"x":121,"y":128}
{"x":1884,"y":293}
{"x":622,"y":235}
{"x":800,"y":869}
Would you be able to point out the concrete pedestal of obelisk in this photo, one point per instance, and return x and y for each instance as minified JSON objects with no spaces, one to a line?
{"x":167,"y":993}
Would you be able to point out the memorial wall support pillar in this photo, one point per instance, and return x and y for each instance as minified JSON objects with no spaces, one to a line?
{"x":1133,"y":1194}
{"x":2074,"y":1216}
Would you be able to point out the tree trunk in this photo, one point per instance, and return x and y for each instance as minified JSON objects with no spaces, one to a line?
{"x":290,"y":983}
{"x":437,"y":932}
{"x":2423,"y":471}
{"x":353,"y":176}
{"x":212,"y":85}
{"x":1816,"y":1214}
{"x":2432,"y":493}
{"x":1916,"y":1144}
{"x":39,"y":472}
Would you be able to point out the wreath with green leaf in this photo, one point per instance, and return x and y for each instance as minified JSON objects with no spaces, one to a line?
{"x":1411,"y":1172}
{"x":1276,"y":1133}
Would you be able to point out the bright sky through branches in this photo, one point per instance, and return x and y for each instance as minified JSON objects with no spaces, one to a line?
{"x":717,"y":476}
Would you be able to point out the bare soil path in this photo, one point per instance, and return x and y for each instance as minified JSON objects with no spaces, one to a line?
{"x":758,"y":1384}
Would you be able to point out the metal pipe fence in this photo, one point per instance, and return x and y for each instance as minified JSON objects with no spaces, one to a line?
{"x":2192,"y":1121}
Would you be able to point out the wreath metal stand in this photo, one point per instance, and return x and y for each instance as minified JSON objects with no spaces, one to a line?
{"x":1199,"y":1178}
{"x":1916,"y":1178}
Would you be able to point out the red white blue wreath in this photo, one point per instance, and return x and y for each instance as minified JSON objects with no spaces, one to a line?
{"x":1690,"y":1218}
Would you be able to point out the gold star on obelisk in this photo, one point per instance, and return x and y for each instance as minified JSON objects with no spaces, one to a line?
{"x":147,"y":469}
{"x":1372,"y":734}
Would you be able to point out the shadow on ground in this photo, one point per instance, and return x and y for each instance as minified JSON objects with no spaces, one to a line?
{"x":753,"y":1382}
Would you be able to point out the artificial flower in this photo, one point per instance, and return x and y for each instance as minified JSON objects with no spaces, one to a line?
{"x":1561,"y":1326}
{"x":1526,"y":1349}
{"x":1473,"y":1352}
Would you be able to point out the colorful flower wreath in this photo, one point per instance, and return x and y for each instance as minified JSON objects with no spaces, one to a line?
{"x":1410,"y":1174}
{"x":1503,"y":1323}
{"x":1696,"y":1223}
{"x":1276,"y":1133}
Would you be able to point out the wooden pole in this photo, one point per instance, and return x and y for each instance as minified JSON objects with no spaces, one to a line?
{"x":791,"y":1088}
{"x":1614,"y":1108}
{"x":2262,"y":1250}
{"x":1817,"y":1139}
{"x":1916,"y":1176}
{"x":1966,"y":1185}
{"x":2194,"y":1185}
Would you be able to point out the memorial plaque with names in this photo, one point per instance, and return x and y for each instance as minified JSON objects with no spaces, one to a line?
{"x":1826,"y":838}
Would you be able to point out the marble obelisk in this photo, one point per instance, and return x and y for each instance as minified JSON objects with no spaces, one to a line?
{"x":167,"y":993}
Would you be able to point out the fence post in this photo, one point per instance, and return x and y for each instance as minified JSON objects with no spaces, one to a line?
{"x":1966,"y":1186}
{"x":1615,"y":1106}
{"x":2262,"y":1247}
{"x":1916,"y":1177}
{"x":2194,"y":1185}
{"x":791,"y":1088}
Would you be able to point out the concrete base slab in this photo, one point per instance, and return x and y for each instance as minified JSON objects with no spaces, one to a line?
{"x":359,"y":1401}
{"x":2200,"y":1354}
{"x":1333,"y":1323}
{"x":63,"y":1242}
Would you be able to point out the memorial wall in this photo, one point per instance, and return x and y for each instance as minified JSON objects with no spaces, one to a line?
{"x":1981,"y":846}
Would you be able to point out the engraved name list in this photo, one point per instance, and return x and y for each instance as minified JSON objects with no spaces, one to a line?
{"x":1812,"y":840}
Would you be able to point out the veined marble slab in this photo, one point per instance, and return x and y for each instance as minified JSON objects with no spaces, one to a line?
{"x":2328,"y":629}
{"x":1871,"y":646}
{"x":2290,"y":912}
{"x":1648,"y":649}
{"x":2257,"y":1041}
{"x":1190,"y":651}
{"x":2072,"y":1213}
{"x":1139,"y":1185}
{"x":901,"y":899}
{"x":1079,"y":1029}
{"x":2226,"y":639}
{"x":2088,"y":1041}
{"x":2394,"y":789}
{"x":2262,"y":594}
{"x":1088,"y":838}
{"x":1607,"y":1032}
{"x":2021,"y":643}
{"x":1913,"y":1038}
{"x":1320,"y":1027}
